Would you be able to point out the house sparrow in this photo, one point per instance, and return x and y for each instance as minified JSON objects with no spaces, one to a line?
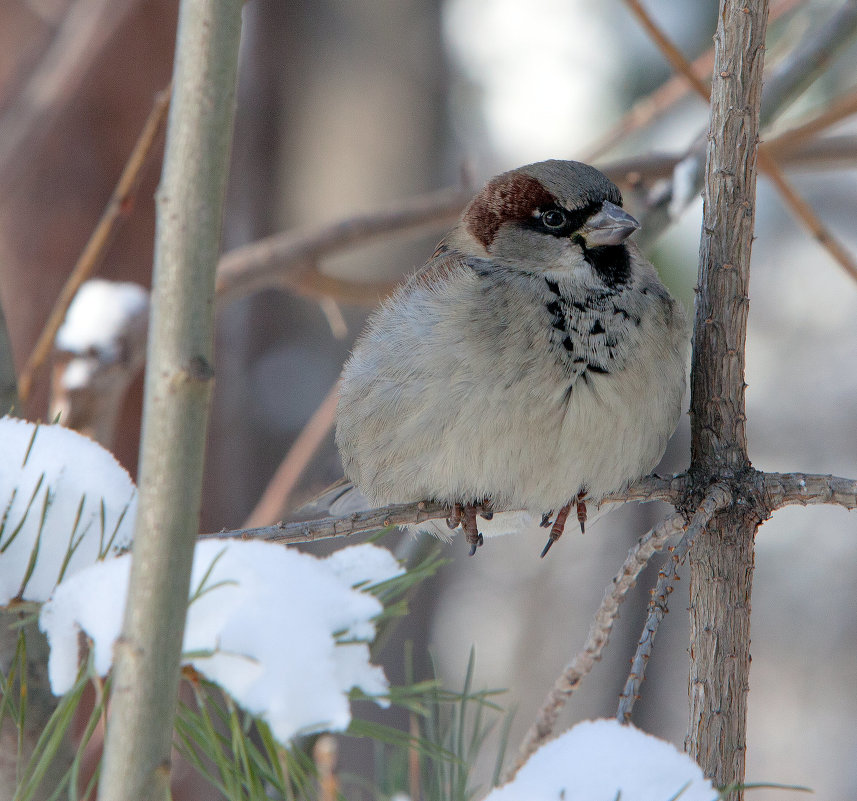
{"x":535,"y":362}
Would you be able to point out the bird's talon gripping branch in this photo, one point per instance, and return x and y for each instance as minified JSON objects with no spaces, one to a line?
{"x":581,"y":511}
{"x":558,"y":527}
{"x":454,"y":519}
{"x":471,"y":532}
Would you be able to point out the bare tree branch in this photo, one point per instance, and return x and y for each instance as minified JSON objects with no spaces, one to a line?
{"x":812,"y":54}
{"x":717,"y":498}
{"x":599,"y":634}
{"x":792,"y":76}
{"x":841,"y":108}
{"x":831,"y":152}
{"x":780,"y":489}
{"x":100,"y":238}
{"x":287,"y":260}
{"x":673,"y":55}
{"x":804,"y":212}
{"x":805,"y":489}
{"x":649,"y":108}
{"x":798,"y":206}
{"x":650,"y":488}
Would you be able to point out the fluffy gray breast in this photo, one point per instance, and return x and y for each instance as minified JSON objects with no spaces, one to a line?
{"x":577,"y":334}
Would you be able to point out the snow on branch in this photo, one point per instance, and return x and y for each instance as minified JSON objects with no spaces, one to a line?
{"x":601,"y":760}
{"x":66,"y":503}
{"x":283,"y":632}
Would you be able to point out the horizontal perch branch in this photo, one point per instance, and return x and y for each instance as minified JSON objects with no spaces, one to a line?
{"x":780,"y":489}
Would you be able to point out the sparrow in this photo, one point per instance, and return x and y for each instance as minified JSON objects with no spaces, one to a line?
{"x":535,"y":362}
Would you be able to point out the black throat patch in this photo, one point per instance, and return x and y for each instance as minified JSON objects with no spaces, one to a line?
{"x":611,"y":262}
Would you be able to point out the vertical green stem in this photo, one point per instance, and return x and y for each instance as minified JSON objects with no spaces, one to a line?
{"x":179,"y":379}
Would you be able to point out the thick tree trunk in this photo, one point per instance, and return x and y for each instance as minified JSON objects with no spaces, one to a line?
{"x":722,"y":561}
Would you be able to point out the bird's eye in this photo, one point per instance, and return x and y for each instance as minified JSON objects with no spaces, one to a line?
{"x":554,"y":219}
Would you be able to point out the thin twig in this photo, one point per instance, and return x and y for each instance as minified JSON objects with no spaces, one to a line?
{"x":675,"y":57}
{"x":650,"y":488}
{"x":781,"y":489}
{"x":766,"y":162}
{"x":804,"y":212}
{"x":717,"y":498}
{"x":822,"y":153}
{"x":276,"y":495}
{"x":812,"y":54}
{"x":651,"y":107}
{"x":100,"y":238}
{"x":805,"y":489}
{"x":833,"y":152}
{"x":599,"y":634}
{"x":327,"y":527}
{"x":788,"y":80}
{"x":287,"y":260}
{"x":841,"y":108}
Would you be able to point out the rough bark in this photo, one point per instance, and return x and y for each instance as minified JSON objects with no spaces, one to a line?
{"x":722,"y":561}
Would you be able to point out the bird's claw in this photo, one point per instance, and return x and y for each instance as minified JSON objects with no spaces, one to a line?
{"x":456,"y":517}
{"x":471,"y":532}
{"x":581,"y":511}
{"x":559,"y":523}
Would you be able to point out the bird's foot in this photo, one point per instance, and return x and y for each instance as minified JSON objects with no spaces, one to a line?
{"x":581,"y":511}
{"x":464,"y":515}
{"x":471,"y":532}
{"x":558,"y":527}
{"x":485,"y":509}
{"x":559,"y":524}
{"x":546,"y":519}
{"x":456,"y":517}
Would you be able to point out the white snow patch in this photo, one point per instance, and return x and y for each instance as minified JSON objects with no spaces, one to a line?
{"x":262,"y":627}
{"x":98,"y":315}
{"x":602,"y":760}
{"x":55,"y":484}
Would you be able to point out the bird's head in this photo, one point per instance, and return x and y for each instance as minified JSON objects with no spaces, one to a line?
{"x":556,"y":218}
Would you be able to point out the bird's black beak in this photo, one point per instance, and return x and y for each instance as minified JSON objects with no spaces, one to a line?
{"x":611,"y":225}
